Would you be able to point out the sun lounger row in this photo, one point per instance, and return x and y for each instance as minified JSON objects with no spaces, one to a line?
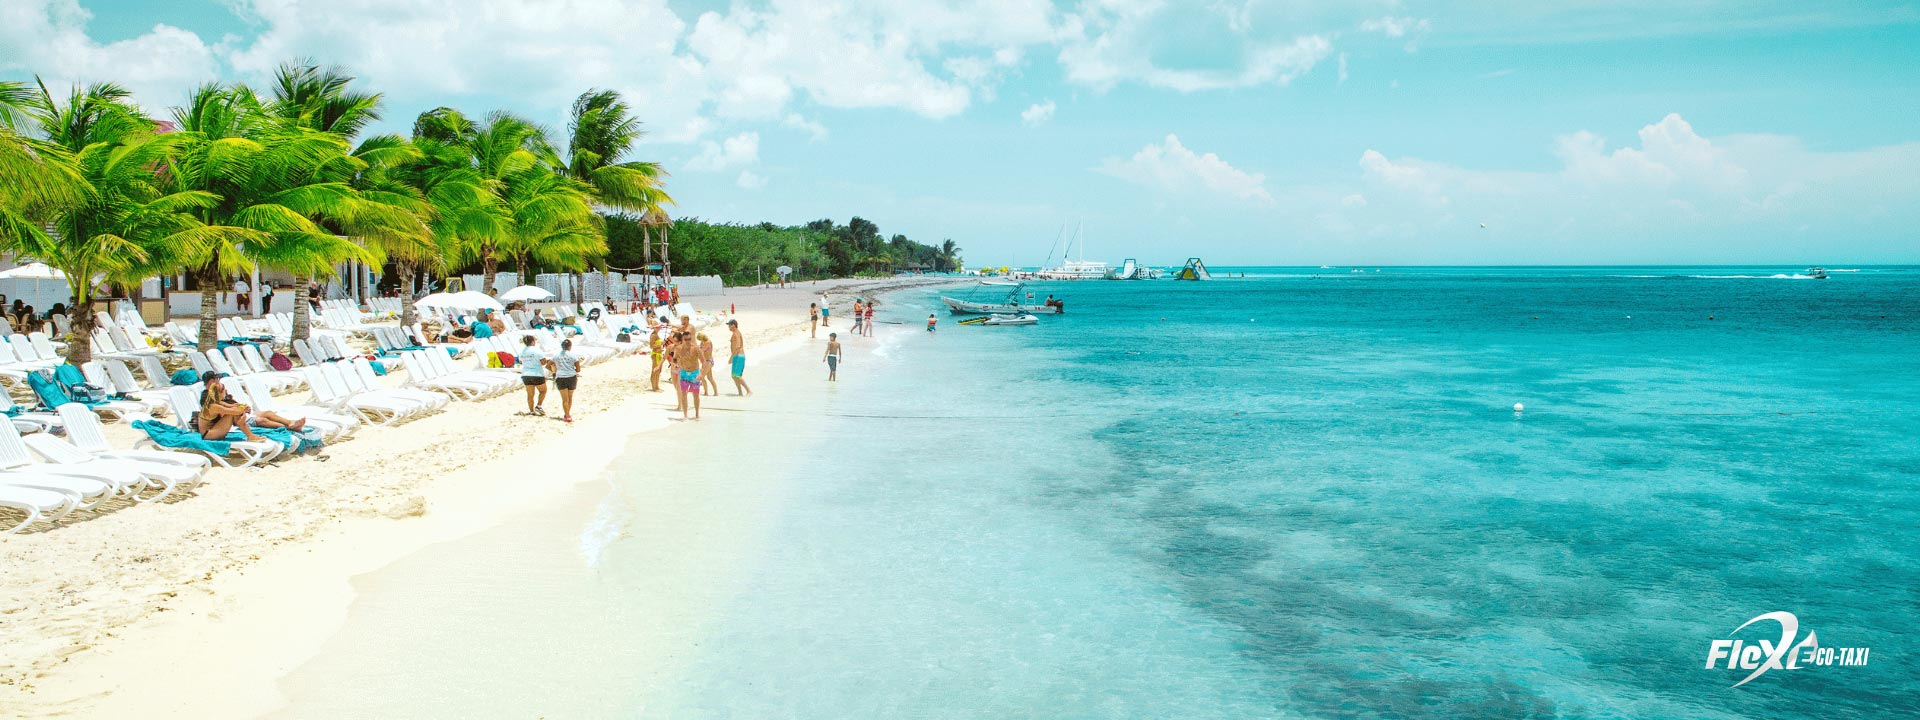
{"x":83,"y":472}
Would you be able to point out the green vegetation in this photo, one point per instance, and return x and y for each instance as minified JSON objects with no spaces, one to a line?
{"x":744,"y":254}
{"x":287,"y":178}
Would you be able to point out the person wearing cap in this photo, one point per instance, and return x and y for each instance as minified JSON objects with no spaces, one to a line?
{"x":737,"y":348}
{"x":220,"y":414}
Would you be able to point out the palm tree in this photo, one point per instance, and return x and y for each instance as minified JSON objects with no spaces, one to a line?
{"x":552,"y":220}
{"x":601,"y":130}
{"x":107,"y":232}
{"x":950,"y":255}
{"x":382,"y":214}
{"x":272,"y":182}
{"x":457,"y":202}
{"x":500,"y":150}
{"x":36,"y":177}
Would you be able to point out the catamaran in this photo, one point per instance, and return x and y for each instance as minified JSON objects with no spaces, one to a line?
{"x":1081,"y":269}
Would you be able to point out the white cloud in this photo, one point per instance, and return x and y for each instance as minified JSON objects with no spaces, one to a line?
{"x":1399,"y":27}
{"x":1395,"y":27}
{"x":1343,"y":68}
{"x":1106,"y":43}
{"x":49,"y":37}
{"x":813,"y":128}
{"x":862,"y":53}
{"x":1674,"y":181}
{"x":748,"y":180}
{"x":1172,"y":167}
{"x":1038,"y":113}
{"x":423,"y":53}
{"x":739,"y":150}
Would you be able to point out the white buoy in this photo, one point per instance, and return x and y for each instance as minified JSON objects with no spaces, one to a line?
{"x":1519,"y":408}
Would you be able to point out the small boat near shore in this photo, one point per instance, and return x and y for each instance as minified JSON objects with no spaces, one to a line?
{"x":1019,"y":319}
{"x":1817,"y":273}
{"x":963,"y":307}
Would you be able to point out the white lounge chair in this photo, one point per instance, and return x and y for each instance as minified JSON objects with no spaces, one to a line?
{"x":37,"y":503}
{"x":89,"y":435}
{"x":185,"y":403}
{"x":334,"y":423}
{"x":16,"y":458}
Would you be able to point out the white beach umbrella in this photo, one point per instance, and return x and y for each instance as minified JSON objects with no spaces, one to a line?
{"x":784,"y":270}
{"x":37,"y":272}
{"x":474,"y":300}
{"x":435,"y":300}
{"x":526,"y":292}
{"x":34,"y":271}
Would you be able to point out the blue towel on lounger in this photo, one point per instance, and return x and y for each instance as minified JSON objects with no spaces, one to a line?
{"x":173,"y":436}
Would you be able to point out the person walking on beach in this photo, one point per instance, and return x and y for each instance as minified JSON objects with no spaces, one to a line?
{"x":932,"y":321}
{"x":826,"y":313}
{"x":859,"y":310}
{"x":813,"y":320}
{"x":708,"y":384}
{"x":869,"y":320}
{"x":566,"y":377}
{"x":533,"y":375}
{"x":686,"y":357}
{"x":833,"y":357}
{"x":737,"y":348}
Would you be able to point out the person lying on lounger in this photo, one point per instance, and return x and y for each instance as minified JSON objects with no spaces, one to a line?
{"x":220,"y":414}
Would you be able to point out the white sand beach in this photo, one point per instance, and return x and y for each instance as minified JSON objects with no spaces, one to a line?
{"x":197,"y":606}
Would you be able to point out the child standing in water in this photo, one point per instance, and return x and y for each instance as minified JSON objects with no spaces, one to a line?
{"x":833,"y":357}
{"x":932,"y":321}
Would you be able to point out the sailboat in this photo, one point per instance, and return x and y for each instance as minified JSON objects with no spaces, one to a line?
{"x":1080,"y":269}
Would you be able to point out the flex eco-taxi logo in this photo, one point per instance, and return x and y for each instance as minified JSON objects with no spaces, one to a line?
{"x":1784,"y":654}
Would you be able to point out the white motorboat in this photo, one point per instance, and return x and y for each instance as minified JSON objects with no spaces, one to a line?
{"x":963,"y":307}
{"x":1018,"y":319}
{"x":1021,"y":319}
{"x":1817,"y":273}
{"x":1000,"y":282}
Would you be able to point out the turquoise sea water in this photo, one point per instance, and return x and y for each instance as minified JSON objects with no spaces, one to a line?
{"x":1305,"y":494}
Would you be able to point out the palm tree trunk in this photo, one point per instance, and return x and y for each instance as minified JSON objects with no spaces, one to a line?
{"x":209,"y":306}
{"x":302,"y":313}
{"x":80,"y":346}
{"x":522,"y":269}
{"x":405,"y":269}
{"x":488,"y":266}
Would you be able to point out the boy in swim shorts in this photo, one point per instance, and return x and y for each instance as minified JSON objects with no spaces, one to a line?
{"x":833,"y":357}
{"x":686,"y":356}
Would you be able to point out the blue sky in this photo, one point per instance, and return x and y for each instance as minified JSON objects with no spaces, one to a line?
{"x":1678,"y":131}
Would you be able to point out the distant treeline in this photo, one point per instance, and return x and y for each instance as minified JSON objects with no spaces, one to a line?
{"x":743,"y":253}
